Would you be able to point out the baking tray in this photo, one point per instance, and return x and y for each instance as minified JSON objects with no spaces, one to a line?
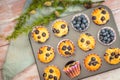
{"x":73,"y":35}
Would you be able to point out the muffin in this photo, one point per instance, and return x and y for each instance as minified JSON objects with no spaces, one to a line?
{"x":72,"y":69}
{"x":106,"y":36}
{"x":100,"y":16}
{"x":112,"y":55}
{"x":66,"y":48}
{"x":46,"y":54}
{"x":92,"y":62}
{"x":80,"y":22}
{"x":60,"y":28}
{"x":40,"y":34}
{"x":51,"y":73}
{"x":86,"y":42}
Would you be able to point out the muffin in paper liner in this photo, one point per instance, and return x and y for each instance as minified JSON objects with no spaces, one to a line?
{"x":60,"y":28}
{"x":46,"y":54}
{"x":51,"y":72}
{"x":86,"y":42}
{"x":40,"y":34}
{"x":92,"y":62}
{"x":72,"y":69}
{"x":66,"y":48}
{"x":100,"y":16}
{"x":112,"y":56}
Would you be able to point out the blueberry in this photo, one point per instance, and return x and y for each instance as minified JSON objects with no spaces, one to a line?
{"x":84,"y":21}
{"x":69,"y":48}
{"x":40,"y":51}
{"x":76,"y":18}
{"x":47,"y":54}
{"x":101,"y":37}
{"x":79,"y":18}
{"x":44,"y":74}
{"x":54,"y":30}
{"x":93,"y":17}
{"x":74,"y":22}
{"x":80,"y":29}
{"x":116,"y":56}
{"x":94,"y":63}
{"x":108,"y":35}
{"x":104,"y":34}
{"x":67,"y":53}
{"x":38,"y":37}
{"x":82,"y":40}
{"x":106,"y":29}
{"x":88,"y":42}
{"x":93,"y":59}
{"x":43,"y":34}
{"x":36,"y":31}
{"x":113,"y":53}
{"x":57,"y":31}
{"x":109,"y":40}
{"x":82,"y":16}
{"x":77,"y":26}
{"x":48,"y":48}
{"x":110,"y":58}
{"x":55,"y":78}
{"x":86,"y":24}
{"x":102,"y":30}
{"x":102,"y":18}
{"x":89,"y":63}
{"x":103,"y":41}
{"x":63,"y":26}
{"x":101,"y":34}
{"x":79,"y":22}
{"x":100,"y":8}
{"x":112,"y":34}
{"x":50,"y":76}
{"x":109,"y":31}
{"x":64,"y":48}
{"x":51,"y":71}
{"x":112,"y":38}
{"x":83,"y":26}
{"x":103,"y":12}
{"x":105,"y":38}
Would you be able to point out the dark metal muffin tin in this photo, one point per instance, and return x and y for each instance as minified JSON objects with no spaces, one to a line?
{"x":73,"y":35}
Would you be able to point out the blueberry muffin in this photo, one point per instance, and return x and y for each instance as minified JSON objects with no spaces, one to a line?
{"x":72,"y":69}
{"x":80,"y":22}
{"x":40,"y":34}
{"x":100,"y":16}
{"x":106,"y":36}
{"x":46,"y":54}
{"x":60,"y":28}
{"x":92,"y":62}
{"x":86,"y":42}
{"x":51,"y":73}
{"x":66,"y":48}
{"x":112,"y":55}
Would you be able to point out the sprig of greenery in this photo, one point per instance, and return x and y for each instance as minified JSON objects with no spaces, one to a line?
{"x":20,"y":26}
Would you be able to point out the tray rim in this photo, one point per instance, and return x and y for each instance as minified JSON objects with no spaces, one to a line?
{"x":78,"y":12}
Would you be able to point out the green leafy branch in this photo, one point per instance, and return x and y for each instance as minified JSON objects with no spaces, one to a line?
{"x":39,"y":4}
